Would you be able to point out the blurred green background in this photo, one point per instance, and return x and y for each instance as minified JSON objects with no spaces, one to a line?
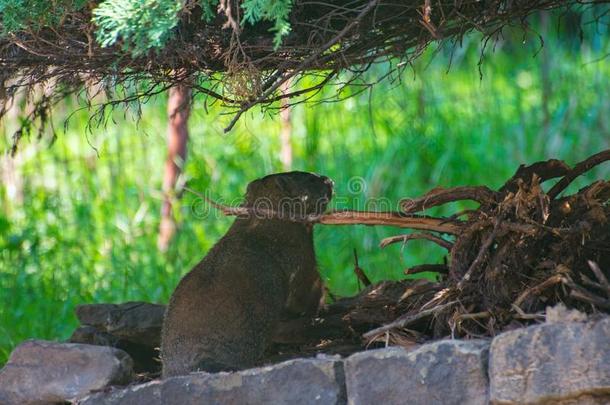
{"x":79,"y":219}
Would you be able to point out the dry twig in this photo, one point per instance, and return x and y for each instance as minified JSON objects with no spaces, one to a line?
{"x":578,"y":170}
{"x":407,"y":319}
{"x":412,"y":236}
{"x":440,"y":196}
{"x":359,"y":272}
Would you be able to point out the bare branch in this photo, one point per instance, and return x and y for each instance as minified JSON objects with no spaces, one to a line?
{"x":435,"y":268}
{"x":579,"y":169}
{"x":599,"y":274}
{"x":546,"y":170}
{"x":391,"y":219}
{"x":347,"y":217}
{"x":412,"y":236}
{"x":537,"y":289}
{"x":407,"y":319}
{"x":480,"y":256}
{"x":440,"y":196}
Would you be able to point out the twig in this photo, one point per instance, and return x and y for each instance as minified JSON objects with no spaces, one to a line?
{"x":347,"y":217}
{"x":482,"y":252}
{"x":222,"y":208}
{"x":586,"y":296}
{"x":440,"y":196}
{"x":389,"y":218}
{"x":438,"y":268}
{"x":302,"y":66}
{"x":583,"y":295}
{"x":587,"y":282}
{"x":579,"y":169}
{"x":520,"y":228}
{"x":412,"y":236}
{"x":547,"y":170}
{"x":263,"y":213}
{"x":599,"y":274}
{"x":476,"y":315}
{"x":462,"y":213}
{"x":523,"y":315}
{"x":537,"y":289}
{"x":407,"y":319}
{"x":359,"y":272}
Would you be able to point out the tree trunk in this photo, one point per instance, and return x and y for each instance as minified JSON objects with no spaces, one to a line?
{"x":10,"y":166}
{"x":286,"y":131}
{"x":178,"y":110}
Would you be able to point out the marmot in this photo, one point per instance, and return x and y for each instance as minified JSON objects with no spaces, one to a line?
{"x":224,"y":311}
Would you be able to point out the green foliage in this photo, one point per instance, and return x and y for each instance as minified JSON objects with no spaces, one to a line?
{"x":140,"y":24}
{"x":146,"y":24}
{"x":269,"y":10}
{"x":208,"y":8}
{"x":86,"y":229}
{"x":17,"y":15}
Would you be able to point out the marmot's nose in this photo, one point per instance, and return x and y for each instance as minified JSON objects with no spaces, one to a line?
{"x":328,"y":181}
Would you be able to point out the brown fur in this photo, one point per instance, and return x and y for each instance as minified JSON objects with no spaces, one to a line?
{"x":224,"y":311}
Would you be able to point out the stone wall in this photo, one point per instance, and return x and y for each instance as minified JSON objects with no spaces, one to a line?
{"x":563,"y":361}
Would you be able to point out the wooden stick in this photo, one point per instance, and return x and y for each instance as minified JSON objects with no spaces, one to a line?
{"x":579,"y":169}
{"x":546,"y":170}
{"x":389,"y":218}
{"x":587,"y":282}
{"x":599,"y":274}
{"x":360,"y":274}
{"x":482,"y":252}
{"x":405,"y":238}
{"x":537,"y":289}
{"x":438,"y":268}
{"x":588,"y":297}
{"x":476,"y":315}
{"x":347,"y":217}
{"x":406,"y":319}
{"x":440,"y":196}
{"x":522,"y":315}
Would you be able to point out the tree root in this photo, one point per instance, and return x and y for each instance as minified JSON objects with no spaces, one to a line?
{"x":521,"y":251}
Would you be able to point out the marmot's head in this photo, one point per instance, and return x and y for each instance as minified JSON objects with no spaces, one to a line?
{"x":292,"y":194}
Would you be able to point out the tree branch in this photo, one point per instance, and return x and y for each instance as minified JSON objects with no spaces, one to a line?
{"x":579,"y":169}
{"x":440,"y":196}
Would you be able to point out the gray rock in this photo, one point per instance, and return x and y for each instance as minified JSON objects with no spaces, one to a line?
{"x":559,"y":363}
{"x":92,"y":336}
{"x":145,"y":358}
{"x":137,"y":322}
{"x":41,"y":372}
{"x":301,"y":381}
{"x":444,"y":372}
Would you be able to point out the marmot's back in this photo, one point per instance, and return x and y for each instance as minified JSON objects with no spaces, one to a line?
{"x":223,"y":313}
{"x":219,"y":316}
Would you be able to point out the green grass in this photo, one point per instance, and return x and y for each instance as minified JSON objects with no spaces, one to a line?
{"x":86,"y":229}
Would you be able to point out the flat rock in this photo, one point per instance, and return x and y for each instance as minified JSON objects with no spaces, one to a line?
{"x":559,"y":363}
{"x":444,"y":372}
{"x":145,"y":358}
{"x":41,"y":372}
{"x":93,"y":336}
{"x":294,"y":382}
{"x":137,"y":322}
